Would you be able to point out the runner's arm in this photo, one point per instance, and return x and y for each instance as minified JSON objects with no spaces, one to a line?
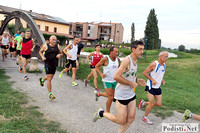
{"x":118,"y":74}
{"x":60,"y":51}
{"x":42,"y":49}
{"x":146,"y":72}
{"x":33,"y":44}
{"x":66,"y":48}
{"x":88,"y":57}
{"x":99,"y":64}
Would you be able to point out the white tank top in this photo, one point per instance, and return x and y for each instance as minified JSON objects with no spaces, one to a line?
{"x":5,"y":41}
{"x":73,"y":52}
{"x":110,"y":70}
{"x":157,"y":75}
{"x":125,"y":92}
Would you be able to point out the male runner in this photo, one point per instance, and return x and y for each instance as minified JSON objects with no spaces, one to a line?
{"x":19,"y":47}
{"x":28,"y":46}
{"x":155,"y":73}
{"x":52,"y":53}
{"x":188,"y":114}
{"x":71,"y":52}
{"x":124,"y":92}
{"x":110,"y":64}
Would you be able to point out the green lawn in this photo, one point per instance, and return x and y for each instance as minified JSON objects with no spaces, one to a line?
{"x":182,"y":89}
{"x":16,"y":116}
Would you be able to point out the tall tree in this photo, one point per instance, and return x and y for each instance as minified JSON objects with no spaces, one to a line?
{"x":132,"y":32}
{"x":152,"y":31}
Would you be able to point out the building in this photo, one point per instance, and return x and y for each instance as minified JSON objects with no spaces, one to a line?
{"x":46,"y":23}
{"x":112,"y":32}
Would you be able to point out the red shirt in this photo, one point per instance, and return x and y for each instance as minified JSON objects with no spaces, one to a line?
{"x":27,"y":45}
{"x":11,"y":43}
{"x":96,"y":58}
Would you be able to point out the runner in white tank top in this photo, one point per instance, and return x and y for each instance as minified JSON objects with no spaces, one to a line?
{"x":110,"y":64}
{"x":126,"y":78}
{"x":155,"y":73}
{"x":5,"y":44}
{"x":71,"y":52}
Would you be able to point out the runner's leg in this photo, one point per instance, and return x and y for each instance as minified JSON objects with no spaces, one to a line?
{"x":130,"y":117}
{"x":121,"y":116}
{"x":150,"y":104}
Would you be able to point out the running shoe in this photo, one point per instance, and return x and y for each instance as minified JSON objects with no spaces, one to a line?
{"x":74,"y":84}
{"x":186,"y":115}
{"x":85,"y":81}
{"x":146,"y":119}
{"x":140,"y":105}
{"x":17,"y":63}
{"x":61,"y":74}
{"x":97,"y":89}
{"x":25,"y":77}
{"x":20,"y":69}
{"x":96,"y":96}
{"x":96,"y":116}
{"x":41,"y":82}
{"x":51,"y":97}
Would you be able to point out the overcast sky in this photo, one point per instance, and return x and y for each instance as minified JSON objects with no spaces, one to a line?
{"x":178,"y":20}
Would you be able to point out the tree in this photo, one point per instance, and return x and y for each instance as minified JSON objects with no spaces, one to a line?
{"x":152,"y":31}
{"x":181,"y":48}
{"x":132,"y":32}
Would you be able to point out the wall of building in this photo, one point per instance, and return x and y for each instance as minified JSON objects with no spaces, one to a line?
{"x":61,"y":28}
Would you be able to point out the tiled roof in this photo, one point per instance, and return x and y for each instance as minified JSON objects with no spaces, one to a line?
{"x":37,"y":16}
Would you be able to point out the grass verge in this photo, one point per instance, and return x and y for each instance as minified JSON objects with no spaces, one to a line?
{"x":15,"y":118}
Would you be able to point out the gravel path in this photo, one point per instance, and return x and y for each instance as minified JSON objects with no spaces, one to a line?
{"x":74,"y":106}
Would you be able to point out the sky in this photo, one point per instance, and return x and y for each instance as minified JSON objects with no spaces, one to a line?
{"x":178,"y":20}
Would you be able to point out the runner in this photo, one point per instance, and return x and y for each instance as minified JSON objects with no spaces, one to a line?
{"x":110,"y":64}
{"x":155,"y":73}
{"x":52,"y":53}
{"x":71,"y":52}
{"x":5,"y":44}
{"x":12,"y":48}
{"x":124,"y":92}
{"x":19,"y":46}
{"x":17,"y":33}
{"x":97,"y":56}
{"x":28,"y":46}
{"x":188,"y":114}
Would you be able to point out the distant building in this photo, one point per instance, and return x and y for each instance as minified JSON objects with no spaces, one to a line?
{"x":46,"y":23}
{"x":112,"y":32}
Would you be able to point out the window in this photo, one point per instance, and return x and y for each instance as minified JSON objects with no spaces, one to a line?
{"x":46,"y":28}
{"x":88,"y":35}
{"x":55,"y":29}
{"x":38,"y":26}
{"x":88,"y":27}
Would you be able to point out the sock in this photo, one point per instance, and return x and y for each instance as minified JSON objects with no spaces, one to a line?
{"x":50,"y":93}
{"x":101,"y":113}
{"x":191,"y":115}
